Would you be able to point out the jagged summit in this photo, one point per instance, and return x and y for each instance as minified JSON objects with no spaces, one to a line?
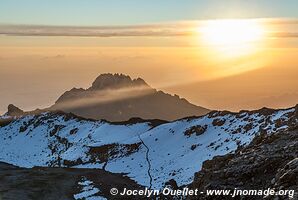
{"x":118,"y":97}
{"x":116,"y":81}
{"x":12,"y":110}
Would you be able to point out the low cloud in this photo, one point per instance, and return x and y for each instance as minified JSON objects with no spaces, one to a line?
{"x":59,"y":56}
{"x":284,"y":35}
{"x":181,"y":28}
{"x":96,"y":31}
{"x":92,"y":98}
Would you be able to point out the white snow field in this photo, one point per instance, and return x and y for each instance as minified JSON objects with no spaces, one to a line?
{"x":149,"y":155}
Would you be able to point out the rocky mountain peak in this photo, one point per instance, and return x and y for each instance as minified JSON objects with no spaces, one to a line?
{"x":12,"y":110}
{"x":116,"y":81}
{"x":118,"y":97}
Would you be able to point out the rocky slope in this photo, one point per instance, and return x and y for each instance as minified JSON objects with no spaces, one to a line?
{"x":269,"y":161}
{"x":117,"y":97}
{"x":149,"y":152}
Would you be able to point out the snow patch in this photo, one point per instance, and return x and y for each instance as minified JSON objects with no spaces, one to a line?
{"x":88,"y":191}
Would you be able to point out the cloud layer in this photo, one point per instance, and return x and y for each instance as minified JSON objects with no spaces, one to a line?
{"x":183,"y":28}
{"x":95,"y":31}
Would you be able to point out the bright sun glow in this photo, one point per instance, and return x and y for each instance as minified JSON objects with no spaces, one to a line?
{"x":234,"y":37}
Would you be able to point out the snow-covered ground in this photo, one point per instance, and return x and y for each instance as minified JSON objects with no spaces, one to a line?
{"x":149,"y":155}
{"x":88,"y":191}
{"x":6,"y":117}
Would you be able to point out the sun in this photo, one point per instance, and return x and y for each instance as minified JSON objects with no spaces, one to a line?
{"x":234,"y":37}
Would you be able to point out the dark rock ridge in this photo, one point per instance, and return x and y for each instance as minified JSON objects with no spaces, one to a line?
{"x":117,"y":97}
{"x":270,"y":161}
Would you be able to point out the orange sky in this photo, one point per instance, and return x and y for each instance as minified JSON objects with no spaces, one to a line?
{"x":36,"y":70}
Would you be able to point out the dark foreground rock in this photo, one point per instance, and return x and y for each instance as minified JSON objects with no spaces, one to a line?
{"x":57,"y":183}
{"x":270,"y":161}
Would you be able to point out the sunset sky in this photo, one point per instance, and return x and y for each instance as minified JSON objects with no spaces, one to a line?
{"x":228,"y":55}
